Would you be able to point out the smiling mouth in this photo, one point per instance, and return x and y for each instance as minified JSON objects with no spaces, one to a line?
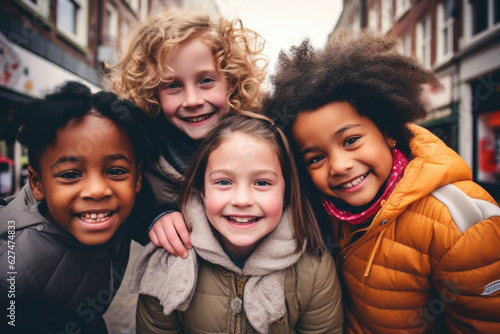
{"x":353,"y":183}
{"x":198,"y":118}
{"x":93,"y":218}
{"x":242,"y":220}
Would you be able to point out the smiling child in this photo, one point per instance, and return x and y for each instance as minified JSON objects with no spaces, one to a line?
{"x":257,"y":263}
{"x":66,"y":228}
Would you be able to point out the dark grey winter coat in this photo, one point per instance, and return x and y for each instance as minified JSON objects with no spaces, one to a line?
{"x":56,"y":283}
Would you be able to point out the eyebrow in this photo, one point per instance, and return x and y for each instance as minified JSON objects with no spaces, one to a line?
{"x":112,"y":157}
{"x":337,"y":134}
{"x":255,"y":172}
{"x":65,"y":159}
{"x":118,"y":156}
{"x":170,"y":78}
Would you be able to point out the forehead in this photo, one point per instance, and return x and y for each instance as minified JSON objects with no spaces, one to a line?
{"x":87,"y":136}
{"x":196,"y":52}
{"x":333,"y":117}
{"x":239,"y":147}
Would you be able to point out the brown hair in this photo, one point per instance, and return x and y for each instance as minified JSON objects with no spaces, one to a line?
{"x":237,"y":52}
{"x":259,"y":126}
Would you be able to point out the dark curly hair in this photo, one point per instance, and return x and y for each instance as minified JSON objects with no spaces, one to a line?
{"x":34,"y":123}
{"x":365,"y":69}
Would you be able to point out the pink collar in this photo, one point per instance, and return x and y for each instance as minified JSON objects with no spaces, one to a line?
{"x":399,"y":162}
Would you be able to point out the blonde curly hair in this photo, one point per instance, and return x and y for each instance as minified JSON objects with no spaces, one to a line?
{"x":237,"y":54}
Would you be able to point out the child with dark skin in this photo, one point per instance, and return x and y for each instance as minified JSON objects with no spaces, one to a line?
{"x":417,"y":240}
{"x":64,"y":235}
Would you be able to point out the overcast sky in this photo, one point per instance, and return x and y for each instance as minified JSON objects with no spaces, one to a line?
{"x":284,"y":23}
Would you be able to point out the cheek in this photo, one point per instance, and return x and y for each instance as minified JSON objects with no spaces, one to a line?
{"x":213,"y":204}
{"x":168,"y":103}
{"x":320,"y":180}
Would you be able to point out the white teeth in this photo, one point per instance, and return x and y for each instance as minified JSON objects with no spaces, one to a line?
{"x":95,"y":217}
{"x":197,"y":119}
{"x":353,"y":183}
{"x":243,"y":219}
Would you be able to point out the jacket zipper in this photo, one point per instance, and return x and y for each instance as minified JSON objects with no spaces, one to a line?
{"x":240,"y":284}
{"x":111,"y":252}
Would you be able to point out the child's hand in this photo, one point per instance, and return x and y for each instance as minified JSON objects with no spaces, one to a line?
{"x":170,"y":232}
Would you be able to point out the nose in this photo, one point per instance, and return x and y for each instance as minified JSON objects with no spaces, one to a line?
{"x":96,"y":188}
{"x":242,"y":197}
{"x":192,"y":98}
{"x":340,"y":163}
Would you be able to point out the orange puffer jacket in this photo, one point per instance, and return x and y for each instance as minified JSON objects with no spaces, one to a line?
{"x":430,"y":260}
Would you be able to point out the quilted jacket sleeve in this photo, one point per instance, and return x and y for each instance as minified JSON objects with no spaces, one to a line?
{"x":324,"y":313}
{"x":467,"y":275}
{"x":150,"y":318}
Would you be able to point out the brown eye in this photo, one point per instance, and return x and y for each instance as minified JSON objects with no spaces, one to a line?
{"x":315,"y":159}
{"x":350,"y":141}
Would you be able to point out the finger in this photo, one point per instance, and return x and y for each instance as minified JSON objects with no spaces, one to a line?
{"x":154,"y":238}
{"x":183,"y":232}
{"x":174,"y":241}
{"x":163,"y":240}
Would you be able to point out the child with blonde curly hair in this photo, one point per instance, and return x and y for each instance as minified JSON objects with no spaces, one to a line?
{"x":187,"y":70}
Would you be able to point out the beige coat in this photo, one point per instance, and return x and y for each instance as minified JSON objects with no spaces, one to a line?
{"x":277,"y":291}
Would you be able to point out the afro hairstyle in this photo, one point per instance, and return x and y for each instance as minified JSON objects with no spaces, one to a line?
{"x":364,"y":69}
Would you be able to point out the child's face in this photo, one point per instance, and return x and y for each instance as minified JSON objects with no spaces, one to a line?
{"x":194,"y":96}
{"x":243,"y":192}
{"x":88,"y":178}
{"x":345,"y":154}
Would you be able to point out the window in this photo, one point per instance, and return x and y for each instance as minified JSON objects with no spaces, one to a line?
{"x":445,"y":29}
{"x":110,"y":25}
{"x":406,"y":45}
{"x":402,"y":7}
{"x":496,"y":12}
{"x":72,"y":20}
{"x":386,"y":9}
{"x":424,"y":41}
{"x":374,"y":17}
{"x":479,"y":16}
{"x":66,"y":15}
{"x":356,"y":23}
{"x":483,"y":15}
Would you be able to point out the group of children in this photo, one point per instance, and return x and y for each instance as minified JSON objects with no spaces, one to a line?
{"x":238,"y":191}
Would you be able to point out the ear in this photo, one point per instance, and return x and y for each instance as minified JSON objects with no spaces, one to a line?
{"x":202,"y":193}
{"x":390,"y":141}
{"x":138,"y":185}
{"x":36,"y":184}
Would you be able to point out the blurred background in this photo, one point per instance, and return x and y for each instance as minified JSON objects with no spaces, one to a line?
{"x":45,"y":42}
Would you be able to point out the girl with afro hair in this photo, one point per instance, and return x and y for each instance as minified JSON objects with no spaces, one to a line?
{"x":416,"y":240}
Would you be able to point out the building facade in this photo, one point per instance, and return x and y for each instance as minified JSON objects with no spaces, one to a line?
{"x":460,"y":41}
